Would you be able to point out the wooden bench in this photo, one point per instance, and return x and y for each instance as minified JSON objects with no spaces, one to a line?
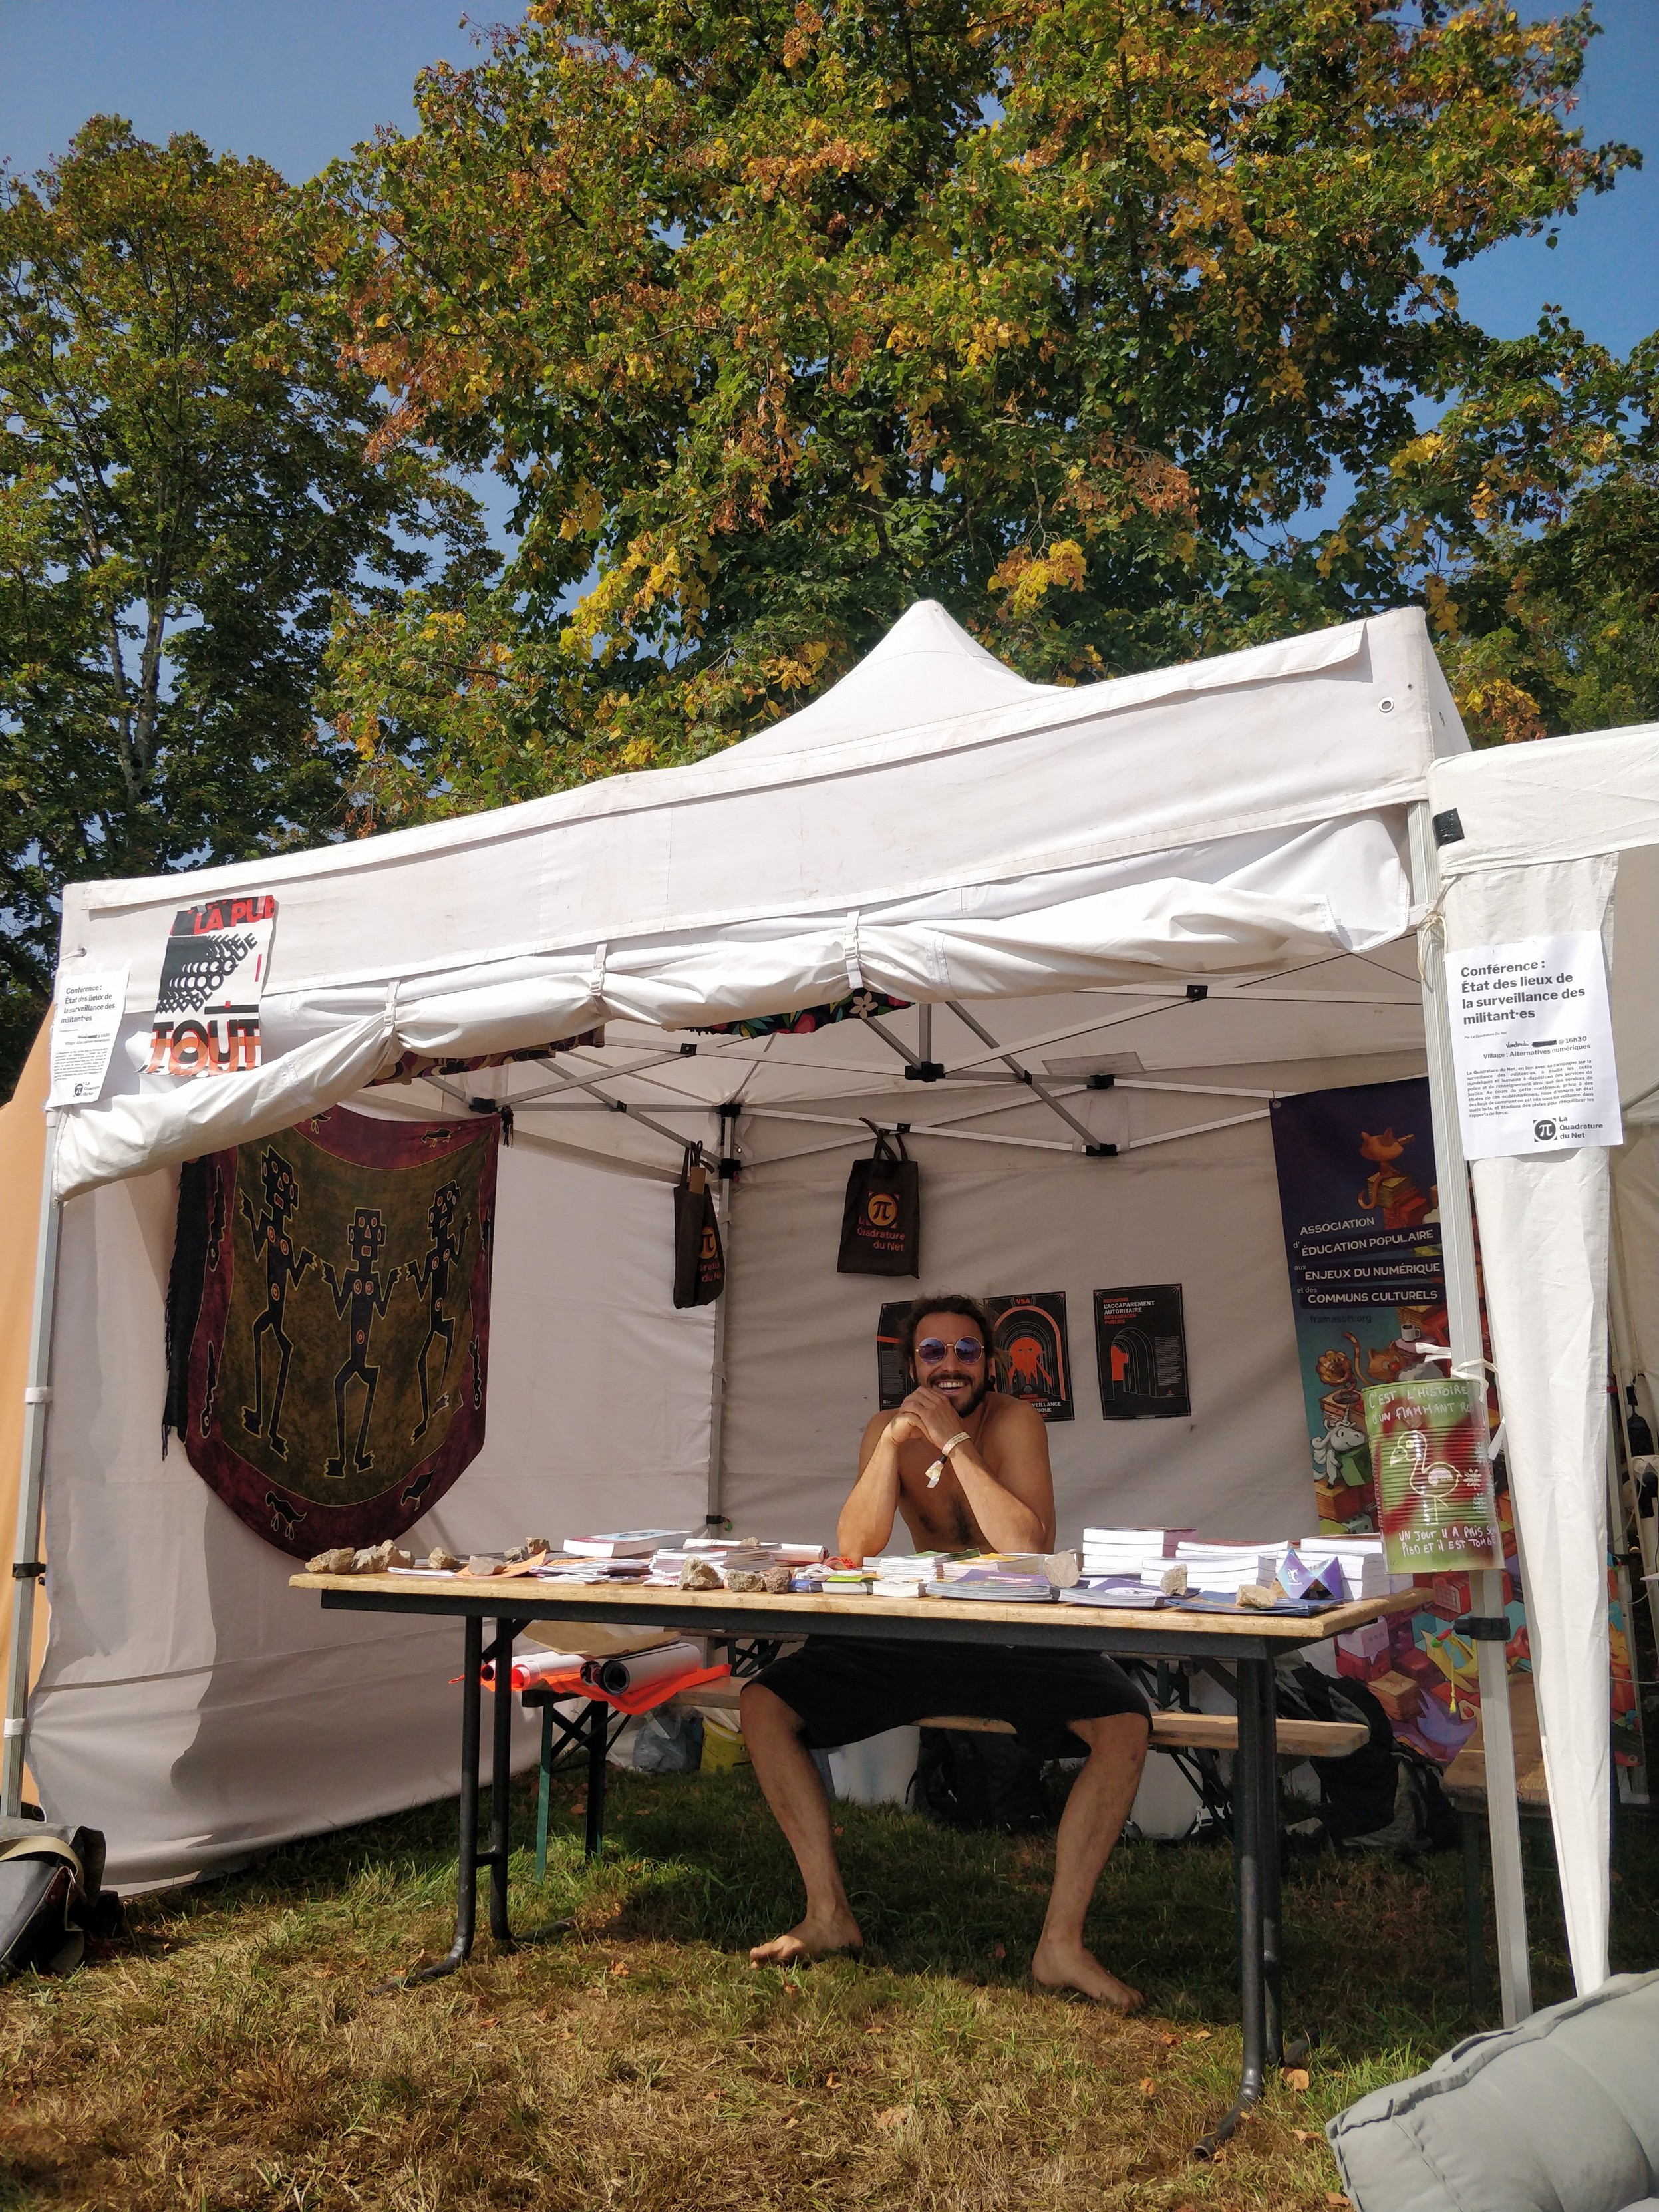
{"x":1172,"y":1730}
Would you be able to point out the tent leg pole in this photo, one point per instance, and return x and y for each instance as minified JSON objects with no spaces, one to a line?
{"x":1469,"y":1352}
{"x":26,"y":1553}
{"x":1249,"y":1799}
{"x":714,"y":1511}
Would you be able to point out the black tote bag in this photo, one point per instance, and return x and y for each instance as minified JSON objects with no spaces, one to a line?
{"x":881,"y":1221}
{"x":699,"y":1262}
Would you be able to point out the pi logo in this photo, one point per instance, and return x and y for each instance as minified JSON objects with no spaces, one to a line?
{"x":882,"y":1208}
{"x":1543,"y":1133}
{"x":710,"y":1249}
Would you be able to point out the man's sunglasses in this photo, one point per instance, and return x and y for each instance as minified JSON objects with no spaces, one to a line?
{"x":932,"y":1349}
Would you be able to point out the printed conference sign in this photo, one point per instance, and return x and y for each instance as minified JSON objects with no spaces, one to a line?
{"x":213,"y":977}
{"x":1428,"y":1441}
{"x":1360,"y":1206}
{"x":88,"y":1008}
{"x":1140,"y":1343}
{"x":1532,"y":1042}
{"x":1034,"y":1357}
{"x":328,"y":1322}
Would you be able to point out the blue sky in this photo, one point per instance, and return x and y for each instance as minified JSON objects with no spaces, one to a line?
{"x":300,"y":81}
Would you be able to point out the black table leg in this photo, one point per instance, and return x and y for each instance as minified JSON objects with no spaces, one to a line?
{"x":500,"y":1778}
{"x":466,"y":1892}
{"x":598,"y":1743}
{"x":1251,"y":1848}
{"x":1268,"y":1833}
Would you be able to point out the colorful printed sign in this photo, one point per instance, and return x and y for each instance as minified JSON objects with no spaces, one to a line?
{"x":1433,"y":1474}
{"x":213,"y":976}
{"x":1359,"y":1202}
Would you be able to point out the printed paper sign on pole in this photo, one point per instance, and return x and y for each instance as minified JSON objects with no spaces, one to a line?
{"x":1428,"y":1441}
{"x":85,"y":1023}
{"x":213,"y":976}
{"x":1532,"y":1038}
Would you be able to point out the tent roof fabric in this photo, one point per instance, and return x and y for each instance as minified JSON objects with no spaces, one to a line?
{"x":1559,"y":799}
{"x":842,"y":808}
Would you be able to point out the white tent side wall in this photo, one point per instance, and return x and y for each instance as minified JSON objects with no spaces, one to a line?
{"x":801,"y":1340}
{"x":191,"y":1705}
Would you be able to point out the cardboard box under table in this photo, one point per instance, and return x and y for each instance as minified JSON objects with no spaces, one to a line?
{"x":1249,"y":1643}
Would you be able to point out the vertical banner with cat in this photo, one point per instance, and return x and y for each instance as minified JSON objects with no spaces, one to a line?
{"x":1360,"y":1203}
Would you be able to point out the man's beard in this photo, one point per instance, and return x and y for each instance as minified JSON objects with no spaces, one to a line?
{"x":968,"y":1406}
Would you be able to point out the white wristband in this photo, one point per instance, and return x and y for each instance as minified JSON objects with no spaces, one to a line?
{"x":946,"y":1450}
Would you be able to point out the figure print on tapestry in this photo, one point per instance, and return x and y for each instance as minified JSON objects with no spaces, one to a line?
{"x":314,"y":1393}
{"x":268,"y":1230}
{"x":430,"y":1274}
{"x":361,"y":1289}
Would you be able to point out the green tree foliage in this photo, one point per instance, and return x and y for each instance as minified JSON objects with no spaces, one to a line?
{"x":1528,"y":522}
{"x":779,"y":316}
{"x":184,"y":488}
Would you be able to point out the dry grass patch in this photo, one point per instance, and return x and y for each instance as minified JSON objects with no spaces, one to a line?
{"x":230,"y":2055}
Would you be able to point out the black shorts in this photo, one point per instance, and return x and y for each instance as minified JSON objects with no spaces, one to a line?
{"x":845,"y":1689}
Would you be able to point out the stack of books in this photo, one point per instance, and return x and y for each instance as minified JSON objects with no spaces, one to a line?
{"x":1008,"y":1575}
{"x":621,"y":1544}
{"x":1363,"y":1566}
{"x":1123,"y":1553}
{"x":1223,"y":1569}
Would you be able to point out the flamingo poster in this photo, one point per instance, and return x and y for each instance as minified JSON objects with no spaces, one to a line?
{"x":1433,"y":1474}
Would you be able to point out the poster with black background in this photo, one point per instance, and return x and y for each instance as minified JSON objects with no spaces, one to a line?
{"x":892,"y":1366}
{"x":1029,"y":1337}
{"x":1140,"y":1343}
{"x":1034,"y":1352}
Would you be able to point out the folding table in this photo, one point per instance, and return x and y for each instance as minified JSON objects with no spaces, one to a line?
{"x":1248,"y":1642}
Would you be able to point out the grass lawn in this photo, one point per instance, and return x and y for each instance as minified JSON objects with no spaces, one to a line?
{"x":230,"y":2055}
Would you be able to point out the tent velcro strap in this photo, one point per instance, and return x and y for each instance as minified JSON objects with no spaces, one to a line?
{"x":28,"y":1571}
{"x":38,"y":1394}
{"x":1483,"y":1628}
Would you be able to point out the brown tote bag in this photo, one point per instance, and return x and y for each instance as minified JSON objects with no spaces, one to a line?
{"x":881,"y":1221}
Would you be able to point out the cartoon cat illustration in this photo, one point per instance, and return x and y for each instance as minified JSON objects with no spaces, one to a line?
{"x":1390,"y":1190}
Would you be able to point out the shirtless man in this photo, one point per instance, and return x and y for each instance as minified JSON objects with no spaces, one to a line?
{"x":965,"y":1465}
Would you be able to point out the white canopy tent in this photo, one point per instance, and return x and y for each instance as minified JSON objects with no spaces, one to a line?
{"x":1201,"y":882}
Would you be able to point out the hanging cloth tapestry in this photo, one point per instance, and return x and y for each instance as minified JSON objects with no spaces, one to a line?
{"x":328,"y":1322}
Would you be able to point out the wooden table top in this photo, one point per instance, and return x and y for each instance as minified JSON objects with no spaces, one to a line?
{"x":975,"y":1620}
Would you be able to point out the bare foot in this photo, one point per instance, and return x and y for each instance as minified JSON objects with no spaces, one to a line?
{"x":1069,"y":1966}
{"x":810,"y":1938}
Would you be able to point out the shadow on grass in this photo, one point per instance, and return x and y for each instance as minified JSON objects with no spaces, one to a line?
{"x":1375,"y":1948}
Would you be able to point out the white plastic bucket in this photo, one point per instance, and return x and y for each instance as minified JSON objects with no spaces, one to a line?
{"x":879,"y":1771}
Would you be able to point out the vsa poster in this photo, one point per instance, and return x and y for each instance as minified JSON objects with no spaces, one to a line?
{"x":1029,"y":1342}
{"x":1034,"y":1352}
